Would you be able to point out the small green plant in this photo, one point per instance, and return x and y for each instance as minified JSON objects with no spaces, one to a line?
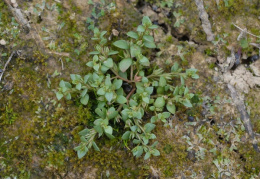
{"x":125,"y":89}
{"x":9,"y":117}
{"x":179,"y":19}
{"x":98,"y":11}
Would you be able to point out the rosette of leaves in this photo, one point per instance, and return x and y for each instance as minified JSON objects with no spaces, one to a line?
{"x":124,"y":91}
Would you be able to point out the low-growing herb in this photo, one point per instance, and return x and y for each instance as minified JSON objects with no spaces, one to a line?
{"x":125,"y":91}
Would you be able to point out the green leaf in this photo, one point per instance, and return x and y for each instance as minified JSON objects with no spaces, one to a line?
{"x":154,"y":144}
{"x":109,"y":63}
{"x":82,"y":152}
{"x":153,"y":27}
{"x":59,"y":95}
{"x":176,"y":91}
{"x":133,"y":128}
{"x":108,"y":80}
{"x":90,"y":64}
{"x":187,"y":103}
{"x":109,"y":136}
{"x":94,"y":53}
{"x":125,"y":64}
{"x":120,"y":91}
{"x":144,"y":61}
{"x":101,"y":91}
{"x":123,"y":74}
{"x":149,"y":127}
{"x":84,"y":100}
{"x":111,"y":113}
{"x":78,"y":86}
{"x":83,"y":139}
{"x":68,"y":96}
{"x":95,"y":146}
{"x":140,"y":28}
{"x":84,"y":92}
{"x":166,"y":115}
{"x":146,"y":21}
{"x":175,"y":67}
{"x":149,"y":44}
{"x":126,"y":135}
{"x":149,"y":90}
{"x":159,"y":102}
{"x":148,"y":38}
{"x":195,"y":76}
{"x":101,"y":113}
{"x":99,"y":129}
{"x":117,"y":83}
{"x":138,"y":151}
{"x":147,"y":155}
{"x":108,"y":130}
{"x":104,"y":69}
{"x":113,"y":52}
{"x":109,"y":96}
{"x":121,"y":44}
{"x":84,"y":132}
{"x":62,"y":84}
{"x":171,"y":108}
{"x":135,"y":141}
{"x":244,"y":43}
{"x":132,"y":34}
{"x":182,"y":80}
{"x":96,"y":67}
{"x":146,"y":99}
{"x":156,"y":152}
{"x":86,"y":77}
{"x":121,"y":99}
{"x":135,"y":50}
{"x":162,"y":81}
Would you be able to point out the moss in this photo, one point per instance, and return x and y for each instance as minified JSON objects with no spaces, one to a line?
{"x":212,"y":65}
{"x":250,"y":159}
{"x":169,"y":39}
{"x":209,"y":52}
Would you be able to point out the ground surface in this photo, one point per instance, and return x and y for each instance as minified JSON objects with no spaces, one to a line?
{"x":38,"y":133}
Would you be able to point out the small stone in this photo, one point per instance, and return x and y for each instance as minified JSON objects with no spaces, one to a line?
{"x":15,"y":5}
{"x":115,"y":32}
{"x":72,"y":16}
{"x":255,"y":67}
{"x":154,"y":7}
{"x":8,"y":86}
{"x":211,"y":60}
{"x":2,"y":42}
{"x":192,"y":155}
{"x":191,"y":119}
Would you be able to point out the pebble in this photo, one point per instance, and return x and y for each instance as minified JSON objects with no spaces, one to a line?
{"x":2,"y":42}
{"x":115,"y":32}
{"x":192,"y":155}
{"x":154,"y":7}
{"x":191,"y":119}
{"x":14,"y":3}
{"x":253,"y":58}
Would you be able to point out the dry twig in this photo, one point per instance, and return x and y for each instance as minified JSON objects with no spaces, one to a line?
{"x":32,"y":30}
{"x":9,"y":59}
{"x":245,"y":31}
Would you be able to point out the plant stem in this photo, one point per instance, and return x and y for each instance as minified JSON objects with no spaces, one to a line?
{"x":127,"y":97}
{"x":117,"y":75}
{"x":131,"y":73}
